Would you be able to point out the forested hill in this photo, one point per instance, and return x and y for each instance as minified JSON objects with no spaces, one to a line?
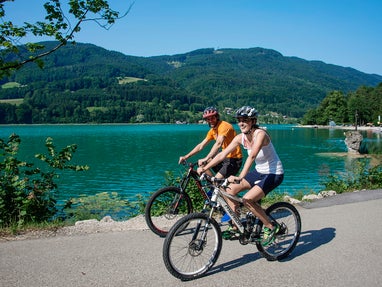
{"x":86,"y":83}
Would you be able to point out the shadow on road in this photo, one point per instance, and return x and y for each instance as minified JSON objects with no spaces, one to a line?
{"x":309,"y":240}
{"x":312,"y":239}
{"x":226,"y":266}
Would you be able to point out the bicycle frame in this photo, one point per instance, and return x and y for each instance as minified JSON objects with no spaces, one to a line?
{"x":218,"y":199}
{"x":191,"y":173}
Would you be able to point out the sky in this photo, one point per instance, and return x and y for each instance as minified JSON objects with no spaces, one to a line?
{"x":347,"y":33}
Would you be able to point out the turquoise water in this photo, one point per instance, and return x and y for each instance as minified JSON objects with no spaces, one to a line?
{"x":132,"y":159}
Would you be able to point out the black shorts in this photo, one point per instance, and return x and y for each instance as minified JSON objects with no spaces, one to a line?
{"x":267,"y":182}
{"x":229,"y":166}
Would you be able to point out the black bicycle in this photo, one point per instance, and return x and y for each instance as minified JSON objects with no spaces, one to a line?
{"x":193,"y":244}
{"x":168,"y":204}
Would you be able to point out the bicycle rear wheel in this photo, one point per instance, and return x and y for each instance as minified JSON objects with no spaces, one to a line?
{"x":192,"y":246}
{"x":287,"y":216}
{"x":165,"y":207}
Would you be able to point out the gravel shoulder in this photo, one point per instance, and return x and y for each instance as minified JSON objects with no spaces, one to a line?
{"x":91,"y":226}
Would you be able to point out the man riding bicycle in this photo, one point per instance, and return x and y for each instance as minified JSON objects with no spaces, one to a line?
{"x":223,"y":133}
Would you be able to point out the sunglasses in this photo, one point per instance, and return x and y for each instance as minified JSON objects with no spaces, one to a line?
{"x":210,"y":118}
{"x":244,"y":120}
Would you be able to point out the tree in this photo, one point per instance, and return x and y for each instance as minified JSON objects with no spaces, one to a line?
{"x":332,"y":108}
{"x":57,"y":25}
{"x":310,"y":118}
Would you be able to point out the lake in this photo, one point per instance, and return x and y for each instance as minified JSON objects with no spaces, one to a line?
{"x":132,"y":159}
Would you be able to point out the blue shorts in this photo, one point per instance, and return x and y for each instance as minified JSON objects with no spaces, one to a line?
{"x":267,"y":182}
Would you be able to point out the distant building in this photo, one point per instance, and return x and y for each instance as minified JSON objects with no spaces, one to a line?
{"x":332,"y":124}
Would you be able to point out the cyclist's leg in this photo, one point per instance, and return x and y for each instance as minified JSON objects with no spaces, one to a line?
{"x":261,"y":184}
{"x":234,"y":189}
{"x":250,"y":200}
{"x":229,"y":166}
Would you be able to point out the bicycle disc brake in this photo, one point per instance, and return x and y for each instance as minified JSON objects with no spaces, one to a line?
{"x":196,"y":247}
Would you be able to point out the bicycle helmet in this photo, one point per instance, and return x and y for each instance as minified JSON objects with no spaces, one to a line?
{"x":246,"y":112}
{"x":210,"y":111}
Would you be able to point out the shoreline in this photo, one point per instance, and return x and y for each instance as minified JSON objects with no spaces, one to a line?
{"x":360,"y":128}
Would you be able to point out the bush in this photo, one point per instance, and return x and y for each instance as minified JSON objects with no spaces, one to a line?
{"x":360,"y":176}
{"x":27,"y":192}
{"x":102,"y":204}
{"x":192,"y":190}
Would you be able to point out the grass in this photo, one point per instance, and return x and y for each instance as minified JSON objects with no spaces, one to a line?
{"x":10,"y":85}
{"x":128,"y":80}
{"x":93,"y":109}
{"x":12,"y":231}
{"x":12,"y":101}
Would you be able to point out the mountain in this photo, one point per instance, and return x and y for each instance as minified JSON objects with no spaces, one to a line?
{"x":93,"y":80}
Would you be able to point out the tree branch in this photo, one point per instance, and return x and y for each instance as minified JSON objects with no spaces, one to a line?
{"x":54,"y":12}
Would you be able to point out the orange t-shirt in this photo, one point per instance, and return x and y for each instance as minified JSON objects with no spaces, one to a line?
{"x":225,"y":129}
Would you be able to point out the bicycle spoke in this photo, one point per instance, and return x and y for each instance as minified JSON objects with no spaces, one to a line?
{"x":192,"y":246}
{"x":165,"y":208}
{"x":286,"y":239}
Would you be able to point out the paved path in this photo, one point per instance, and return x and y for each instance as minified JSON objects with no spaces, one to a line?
{"x":340,"y":245}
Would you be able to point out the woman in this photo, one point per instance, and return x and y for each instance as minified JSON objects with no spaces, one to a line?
{"x":267,"y":175}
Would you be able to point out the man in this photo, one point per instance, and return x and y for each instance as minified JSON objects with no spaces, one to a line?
{"x":223,"y":133}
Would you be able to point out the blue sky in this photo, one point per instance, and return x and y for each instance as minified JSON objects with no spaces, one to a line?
{"x":341,"y":32}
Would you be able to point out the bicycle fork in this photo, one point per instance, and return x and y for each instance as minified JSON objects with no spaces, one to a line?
{"x":196,"y":245}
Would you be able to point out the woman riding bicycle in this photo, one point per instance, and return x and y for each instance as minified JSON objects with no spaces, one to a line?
{"x":267,"y":175}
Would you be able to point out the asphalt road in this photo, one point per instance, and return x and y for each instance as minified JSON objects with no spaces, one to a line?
{"x":340,"y":245}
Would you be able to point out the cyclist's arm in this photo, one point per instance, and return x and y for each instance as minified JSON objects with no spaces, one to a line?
{"x":215,"y":149}
{"x":222,"y":155}
{"x":195,"y":150}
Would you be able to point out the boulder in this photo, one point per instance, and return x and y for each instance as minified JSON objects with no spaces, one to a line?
{"x":353,"y":141}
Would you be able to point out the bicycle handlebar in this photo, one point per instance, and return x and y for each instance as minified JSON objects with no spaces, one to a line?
{"x":219,"y":181}
{"x":189,"y":164}
{"x":223,"y":182}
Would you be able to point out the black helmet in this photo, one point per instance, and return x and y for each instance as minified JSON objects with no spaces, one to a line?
{"x":246,"y":112}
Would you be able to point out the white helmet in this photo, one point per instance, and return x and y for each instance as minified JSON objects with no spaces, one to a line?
{"x":246,"y":112}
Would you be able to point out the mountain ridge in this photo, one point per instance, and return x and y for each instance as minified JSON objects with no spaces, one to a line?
{"x":185,"y":82}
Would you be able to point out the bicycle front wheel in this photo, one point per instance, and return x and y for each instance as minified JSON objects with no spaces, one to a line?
{"x":287,"y":216}
{"x":165,"y":207}
{"x":192,"y":246}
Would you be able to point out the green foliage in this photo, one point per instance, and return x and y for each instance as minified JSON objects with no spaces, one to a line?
{"x":355,"y":107}
{"x":100,"y":205}
{"x":359,"y":176}
{"x":192,"y":190}
{"x":195,"y":195}
{"x":271,"y":198}
{"x":27,"y":192}
{"x":58,"y":24}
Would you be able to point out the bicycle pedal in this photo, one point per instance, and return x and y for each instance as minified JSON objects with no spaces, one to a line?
{"x":255,"y":238}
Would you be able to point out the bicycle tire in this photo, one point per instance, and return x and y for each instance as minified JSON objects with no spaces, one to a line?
{"x":160,"y":214}
{"x":186,"y":255}
{"x":289,"y":219}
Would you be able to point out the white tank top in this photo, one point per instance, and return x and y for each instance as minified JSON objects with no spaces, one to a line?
{"x":267,"y":160}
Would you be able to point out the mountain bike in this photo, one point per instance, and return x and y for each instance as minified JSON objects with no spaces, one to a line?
{"x":168,"y":204}
{"x":193,"y":244}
